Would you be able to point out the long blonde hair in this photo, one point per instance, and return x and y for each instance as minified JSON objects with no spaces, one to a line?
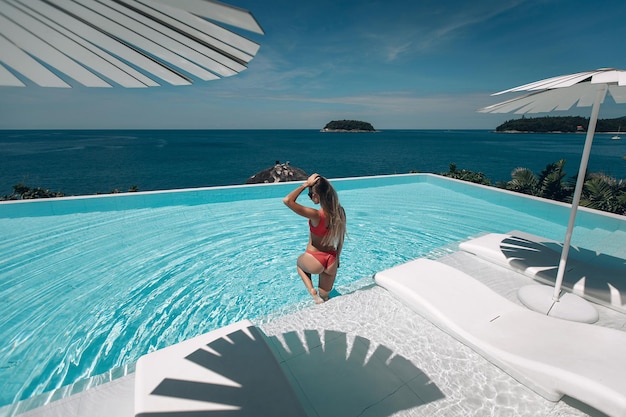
{"x":329,"y":200}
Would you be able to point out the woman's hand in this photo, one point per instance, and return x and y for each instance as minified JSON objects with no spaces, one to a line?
{"x":312,"y":180}
{"x":290,"y":199}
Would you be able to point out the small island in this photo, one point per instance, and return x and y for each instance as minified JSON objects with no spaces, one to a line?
{"x":559,"y":124}
{"x":348,"y":126}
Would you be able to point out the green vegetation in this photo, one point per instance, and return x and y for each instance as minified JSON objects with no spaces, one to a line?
{"x":23,"y":192}
{"x":600,"y":191}
{"x":611,"y":125}
{"x":549,"y":184}
{"x":467,"y":175}
{"x":349,"y":125}
{"x":604,"y":193}
{"x":560,"y":124}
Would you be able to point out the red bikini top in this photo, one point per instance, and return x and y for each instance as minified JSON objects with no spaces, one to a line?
{"x":320,"y":229}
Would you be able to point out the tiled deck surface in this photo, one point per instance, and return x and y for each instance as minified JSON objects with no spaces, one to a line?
{"x":366,"y":354}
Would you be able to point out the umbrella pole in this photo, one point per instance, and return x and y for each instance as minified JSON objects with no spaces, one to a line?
{"x":580,"y":181}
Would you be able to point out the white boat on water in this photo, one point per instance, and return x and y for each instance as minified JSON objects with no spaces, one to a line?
{"x":617,"y":137}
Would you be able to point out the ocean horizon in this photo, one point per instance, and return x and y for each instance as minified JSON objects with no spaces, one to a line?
{"x":84,"y":162}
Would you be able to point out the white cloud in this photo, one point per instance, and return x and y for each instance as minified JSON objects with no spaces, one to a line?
{"x":425,"y":29}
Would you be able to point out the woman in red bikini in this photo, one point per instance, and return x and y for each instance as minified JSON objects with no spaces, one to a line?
{"x":328,"y":227}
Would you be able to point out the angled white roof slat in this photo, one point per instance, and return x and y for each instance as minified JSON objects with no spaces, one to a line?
{"x":112,"y":45}
{"x":535,"y":108}
{"x":73,"y":49}
{"x":8,"y":79}
{"x":495,"y":108}
{"x":549,"y":83}
{"x":554,"y":82}
{"x":555,"y":99}
{"x":200,"y":30}
{"x":506,"y":106}
{"x":582,"y":90}
{"x":567,"y":81}
{"x":604,"y":77}
{"x":38,"y":48}
{"x":618,"y":93}
{"x":600,"y":76}
{"x":111,"y":59}
{"x":539,"y":107}
{"x":527,"y":107}
{"x":131,"y":43}
{"x":610,"y":76}
{"x":528,"y":87}
{"x":588,"y":95}
{"x":180,"y":44}
{"x":218,"y":11}
{"x":517,"y":104}
{"x":26,"y":65}
{"x":108,"y":20}
{"x":550,"y":101}
{"x":569,"y":97}
{"x":208,"y":32}
{"x":217,"y":38}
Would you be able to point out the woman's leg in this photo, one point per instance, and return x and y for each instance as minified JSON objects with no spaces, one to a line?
{"x":327,"y":280}
{"x":307,"y":265}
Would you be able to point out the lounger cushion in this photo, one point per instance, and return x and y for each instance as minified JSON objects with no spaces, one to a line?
{"x":597,"y":277}
{"x":553,"y":357}
{"x":229,"y":369}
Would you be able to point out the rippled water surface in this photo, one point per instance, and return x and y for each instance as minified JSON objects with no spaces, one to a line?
{"x":89,"y":290}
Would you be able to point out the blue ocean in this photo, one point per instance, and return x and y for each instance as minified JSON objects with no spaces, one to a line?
{"x":79,"y":162}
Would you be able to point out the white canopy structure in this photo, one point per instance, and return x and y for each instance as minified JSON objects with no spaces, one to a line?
{"x":561,"y":93}
{"x":131,"y":43}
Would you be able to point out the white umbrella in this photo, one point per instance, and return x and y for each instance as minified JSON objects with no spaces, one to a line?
{"x":134,"y":43}
{"x":561,"y":93}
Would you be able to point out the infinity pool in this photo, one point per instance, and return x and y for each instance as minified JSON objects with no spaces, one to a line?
{"x":89,"y":284}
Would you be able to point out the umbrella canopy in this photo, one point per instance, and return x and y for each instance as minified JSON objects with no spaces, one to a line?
{"x":582,"y":89}
{"x":132,"y":43}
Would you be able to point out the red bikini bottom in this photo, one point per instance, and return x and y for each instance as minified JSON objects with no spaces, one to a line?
{"x":325,"y":258}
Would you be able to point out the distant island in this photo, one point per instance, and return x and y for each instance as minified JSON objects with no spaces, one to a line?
{"x":348,"y":126}
{"x":565,"y":124}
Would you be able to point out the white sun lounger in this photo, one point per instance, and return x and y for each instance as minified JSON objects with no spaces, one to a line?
{"x":229,"y":371}
{"x":596,"y":277}
{"x":552,"y":357}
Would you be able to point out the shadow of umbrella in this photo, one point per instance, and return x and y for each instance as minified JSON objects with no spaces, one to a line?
{"x":239,"y":377}
{"x":339,"y":378}
{"x":595,"y":276}
{"x":250,"y":384}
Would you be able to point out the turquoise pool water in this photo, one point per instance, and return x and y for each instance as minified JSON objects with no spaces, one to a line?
{"x":91,"y":284}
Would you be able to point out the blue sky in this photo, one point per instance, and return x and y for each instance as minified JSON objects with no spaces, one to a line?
{"x":396,"y":64}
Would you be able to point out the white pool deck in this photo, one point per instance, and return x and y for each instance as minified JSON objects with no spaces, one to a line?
{"x":367,"y":354}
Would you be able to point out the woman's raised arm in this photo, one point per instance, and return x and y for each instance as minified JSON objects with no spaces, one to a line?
{"x":304,"y":211}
